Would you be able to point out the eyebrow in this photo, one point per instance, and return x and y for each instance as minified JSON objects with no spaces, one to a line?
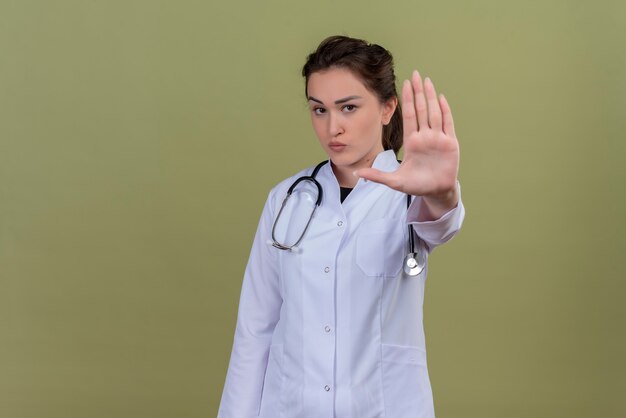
{"x":340,"y":101}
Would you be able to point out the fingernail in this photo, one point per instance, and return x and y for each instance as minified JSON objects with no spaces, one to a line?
{"x":354,"y":173}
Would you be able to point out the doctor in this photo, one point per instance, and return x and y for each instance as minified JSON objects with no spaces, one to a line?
{"x":334,"y":328}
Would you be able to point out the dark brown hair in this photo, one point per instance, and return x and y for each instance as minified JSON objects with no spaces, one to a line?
{"x":372,"y":64}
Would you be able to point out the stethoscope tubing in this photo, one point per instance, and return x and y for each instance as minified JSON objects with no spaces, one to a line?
{"x":413,"y":263}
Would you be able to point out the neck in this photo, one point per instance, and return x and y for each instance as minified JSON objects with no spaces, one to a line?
{"x":345,"y":177}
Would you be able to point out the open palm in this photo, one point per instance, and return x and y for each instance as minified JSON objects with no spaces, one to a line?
{"x":431,"y":150}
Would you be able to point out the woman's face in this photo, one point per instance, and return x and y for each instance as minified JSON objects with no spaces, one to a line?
{"x":347,"y":118}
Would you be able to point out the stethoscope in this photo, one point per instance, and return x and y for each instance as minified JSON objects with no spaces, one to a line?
{"x":414,"y":262}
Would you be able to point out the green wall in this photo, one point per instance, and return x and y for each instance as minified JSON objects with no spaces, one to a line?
{"x":139,"y":139}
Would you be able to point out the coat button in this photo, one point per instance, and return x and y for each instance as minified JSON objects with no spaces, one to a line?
{"x":327,"y":328}
{"x":326,"y":388}
{"x":339,"y":223}
{"x":326,"y":269}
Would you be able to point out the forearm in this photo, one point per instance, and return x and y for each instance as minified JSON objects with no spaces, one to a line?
{"x":442,"y":227}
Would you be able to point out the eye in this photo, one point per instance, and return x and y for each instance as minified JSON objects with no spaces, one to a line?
{"x":349,"y":108}
{"x":319,"y":110}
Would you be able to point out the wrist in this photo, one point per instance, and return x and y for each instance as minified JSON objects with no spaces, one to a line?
{"x":440,"y":203}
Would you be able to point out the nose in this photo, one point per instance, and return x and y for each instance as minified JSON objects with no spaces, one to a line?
{"x":335,"y":126}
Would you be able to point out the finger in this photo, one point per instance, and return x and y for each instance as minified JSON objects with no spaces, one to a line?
{"x":434,"y":111}
{"x":448,"y":123}
{"x":420,"y":101}
{"x":409,"y":120}
{"x":377,"y":176}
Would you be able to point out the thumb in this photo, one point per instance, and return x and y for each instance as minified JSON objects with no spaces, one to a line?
{"x":375,"y":175}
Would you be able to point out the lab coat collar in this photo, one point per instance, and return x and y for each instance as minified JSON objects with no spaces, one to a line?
{"x":386,"y":161}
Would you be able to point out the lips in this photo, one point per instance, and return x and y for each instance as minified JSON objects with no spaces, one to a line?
{"x":336,"y":146}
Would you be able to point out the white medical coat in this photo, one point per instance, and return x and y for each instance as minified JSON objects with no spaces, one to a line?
{"x":335,"y":330}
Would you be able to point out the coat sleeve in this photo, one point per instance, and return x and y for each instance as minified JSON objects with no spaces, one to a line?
{"x":259,"y":309}
{"x":436,"y":232}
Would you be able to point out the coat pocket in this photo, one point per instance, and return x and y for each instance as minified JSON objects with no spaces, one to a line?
{"x":406,"y":385}
{"x":272,"y":383}
{"x":381,"y":247}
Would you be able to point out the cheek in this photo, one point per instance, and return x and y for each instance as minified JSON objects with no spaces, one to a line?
{"x":369,"y":124}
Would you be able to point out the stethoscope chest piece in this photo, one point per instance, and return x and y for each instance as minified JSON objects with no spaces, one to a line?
{"x":414,"y":263}
{"x":415,"y":260}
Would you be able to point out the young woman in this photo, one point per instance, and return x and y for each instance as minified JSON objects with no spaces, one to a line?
{"x":330,"y":313}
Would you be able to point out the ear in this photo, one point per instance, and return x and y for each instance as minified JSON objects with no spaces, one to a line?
{"x":388,"y":108}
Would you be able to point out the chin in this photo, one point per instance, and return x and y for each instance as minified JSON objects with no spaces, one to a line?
{"x":342,"y":160}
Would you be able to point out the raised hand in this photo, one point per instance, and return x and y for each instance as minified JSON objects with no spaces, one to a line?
{"x":431,"y":151}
